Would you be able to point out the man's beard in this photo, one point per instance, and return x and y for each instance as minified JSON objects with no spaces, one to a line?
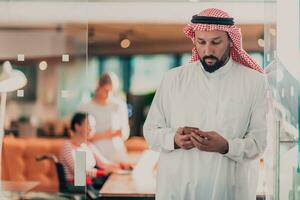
{"x":218,"y":64}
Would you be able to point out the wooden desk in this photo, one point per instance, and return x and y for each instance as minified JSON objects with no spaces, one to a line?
{"x":18,"y":186}
{"x":129,"y":186}
{"x":16,"y":189}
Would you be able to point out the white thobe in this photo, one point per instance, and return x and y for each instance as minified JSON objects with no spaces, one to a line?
{"x":230,"y":101}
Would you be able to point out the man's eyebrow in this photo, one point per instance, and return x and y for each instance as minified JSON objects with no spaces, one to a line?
{"x":215,"y":38}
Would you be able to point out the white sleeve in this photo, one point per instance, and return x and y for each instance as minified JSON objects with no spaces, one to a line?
{"x":98,"y":154}
{"x":157,"y":132}
{"x":253,"y":144}
{"x":124,"y":121}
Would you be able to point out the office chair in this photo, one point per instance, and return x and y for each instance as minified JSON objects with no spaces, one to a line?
{"x":69,"y":191}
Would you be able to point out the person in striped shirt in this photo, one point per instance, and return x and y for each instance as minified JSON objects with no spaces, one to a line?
{"x":97,"y":167}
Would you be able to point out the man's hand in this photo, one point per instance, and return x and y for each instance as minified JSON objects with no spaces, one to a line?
{"x":182,"y":140}
{"x":209,"y":141}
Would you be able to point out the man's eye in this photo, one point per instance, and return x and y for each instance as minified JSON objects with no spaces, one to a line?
{"x":216,"y":43}
{"x":202,"y":43}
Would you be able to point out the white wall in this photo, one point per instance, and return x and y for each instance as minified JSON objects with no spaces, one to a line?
{"x":60,"y":12}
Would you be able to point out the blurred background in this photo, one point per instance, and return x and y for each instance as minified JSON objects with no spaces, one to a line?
{"x":63,"y":47}
{"x":138,"y":42}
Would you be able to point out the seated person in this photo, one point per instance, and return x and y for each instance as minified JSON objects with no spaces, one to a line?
{"x":97,"y":167}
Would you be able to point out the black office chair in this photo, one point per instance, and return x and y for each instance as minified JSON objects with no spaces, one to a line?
{"x":67,"y":190}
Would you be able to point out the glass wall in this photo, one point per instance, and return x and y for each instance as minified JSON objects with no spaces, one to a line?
{"x":282,"y":69}
{"x":146,"y":69}
{"x":63,"y":49}
{"x":51,"y":52}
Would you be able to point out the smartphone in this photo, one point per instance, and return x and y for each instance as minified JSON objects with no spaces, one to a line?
{"x":188,"y":129}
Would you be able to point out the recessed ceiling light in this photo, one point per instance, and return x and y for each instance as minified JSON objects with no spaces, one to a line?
{"x":125,"y":43}
{"x":43,"y":65}
{"x":261,"y":42}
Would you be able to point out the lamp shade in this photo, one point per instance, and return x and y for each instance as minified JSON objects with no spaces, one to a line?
{"x":10,"y":79}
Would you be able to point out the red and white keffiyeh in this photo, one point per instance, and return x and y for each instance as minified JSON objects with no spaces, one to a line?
{"x":237,"y":53}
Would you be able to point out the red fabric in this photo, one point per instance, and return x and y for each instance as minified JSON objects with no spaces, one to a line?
{"x":237,"y":53}
{"x":100,"y":172}
{"x":88,"y":180}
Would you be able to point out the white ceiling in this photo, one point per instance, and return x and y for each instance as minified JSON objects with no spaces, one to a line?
{"x":41,"y":13}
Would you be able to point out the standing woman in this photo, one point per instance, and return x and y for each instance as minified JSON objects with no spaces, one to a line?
{"x":111,"y":115}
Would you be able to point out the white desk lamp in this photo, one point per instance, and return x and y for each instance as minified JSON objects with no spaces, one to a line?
{"x":10,"y":80}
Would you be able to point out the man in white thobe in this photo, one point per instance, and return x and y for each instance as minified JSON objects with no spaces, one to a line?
{"x":222,"y":93}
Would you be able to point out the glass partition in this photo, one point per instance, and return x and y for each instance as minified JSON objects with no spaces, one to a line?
{"x":62,"y":48}
{"x":282,"y":61}
{"x":42,"y":40}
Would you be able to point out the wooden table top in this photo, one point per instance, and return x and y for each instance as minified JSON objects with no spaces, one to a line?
{"x":128,"y":186}
{"x":18,"y":186}
{"x":132,"y":184}
{"x":137,"y":184}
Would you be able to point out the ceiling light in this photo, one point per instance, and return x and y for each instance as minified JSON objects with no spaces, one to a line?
{"x":43,"y":65}
{"x":261,"y":42}
{"x":125,"y":43}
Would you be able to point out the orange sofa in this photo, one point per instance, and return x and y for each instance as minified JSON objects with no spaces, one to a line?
{"x":19,"y":164}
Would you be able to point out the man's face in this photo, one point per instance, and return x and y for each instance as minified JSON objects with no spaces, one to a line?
{"x":213,"y":48}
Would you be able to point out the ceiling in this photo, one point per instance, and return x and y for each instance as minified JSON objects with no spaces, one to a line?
{"x":176,"y":11}
{"x":104,"y":39}
{"x":152,"y":27}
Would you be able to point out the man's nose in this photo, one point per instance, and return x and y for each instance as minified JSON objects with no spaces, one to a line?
{"x":208,"y":51}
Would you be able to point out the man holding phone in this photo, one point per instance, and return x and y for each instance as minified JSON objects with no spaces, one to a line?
{"x":190,"y":137}
{"x":208,"y":117}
